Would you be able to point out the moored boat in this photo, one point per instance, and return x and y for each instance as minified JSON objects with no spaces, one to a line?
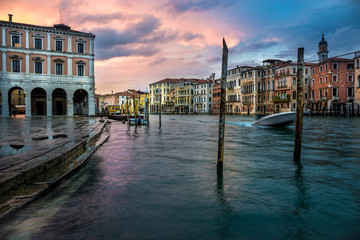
{"x":276,"y":120}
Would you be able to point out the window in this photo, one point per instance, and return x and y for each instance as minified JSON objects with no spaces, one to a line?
{"x":312,"y":93}
{"x":306,"y":81}
{"x":335,"y":92}
{"x":273,"y":85}
{"x":358,"y":82}
{"x":80,"y":48}
{"x":350,"y":78}
{"x":325,"y":92}
{"x":259,"y":86}
{"x":350,"y":92}
{"x":306,"y":71}
{"x":313,"y":71}
{"x":15,"y":41}
{"x":321,"y":68}
{"x":59,"y":46}
{"x":306,"y":96}
{"x":357,"y":63}
{"x":16,"y":65}
{"x":38,"y":43}
{"x":294,"y":81}
{"x":334,"y":78}
{"x":350,"y":66}
{"x":80,"y":70}
{"x":294,"y":70}
{"x":312,"y":82}
{"x":326,"y":79}
{"x":59,"y":69}
{"x":38,"y":67}
{"x":320,"y":80}
{"x":321,"y":92}
{"x":335,"y":66}
{"x":268,"y":87}
{"x":326,"y":67}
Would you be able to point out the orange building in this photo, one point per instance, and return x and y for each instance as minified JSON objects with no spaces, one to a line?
{"x":53,"y":66}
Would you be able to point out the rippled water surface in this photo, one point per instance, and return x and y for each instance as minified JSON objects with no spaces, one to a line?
{"x":162,"y":184}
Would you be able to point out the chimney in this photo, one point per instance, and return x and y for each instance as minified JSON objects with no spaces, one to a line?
{"x":10,"y":18}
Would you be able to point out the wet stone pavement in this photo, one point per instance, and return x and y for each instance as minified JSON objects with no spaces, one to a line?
{"x":37,"y":153}
{"x":22,"y":137}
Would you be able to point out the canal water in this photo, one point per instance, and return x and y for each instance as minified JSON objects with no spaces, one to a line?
{"x":151,"y":183}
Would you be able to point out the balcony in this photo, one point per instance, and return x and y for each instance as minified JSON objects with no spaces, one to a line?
{"x":349,"y":99}
{"x":334,"y":98}
{"x":319,"y":99}
{"x":325,"y":98}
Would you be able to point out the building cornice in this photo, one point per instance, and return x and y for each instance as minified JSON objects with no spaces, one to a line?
{"x":45,"y":29}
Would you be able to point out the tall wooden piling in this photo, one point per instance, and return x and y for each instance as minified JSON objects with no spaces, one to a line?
{"x":222,"y":109}
{"x":135,"y":115}
{"x":160,"y":112}
{"x":127,"y":110}
{"x":299,"y":105}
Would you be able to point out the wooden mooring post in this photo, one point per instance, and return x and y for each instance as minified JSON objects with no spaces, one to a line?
{"x":135,"y":113}
{"x":160,"y":112}
{"x":299,"y":105}
{"x":222,"y":110}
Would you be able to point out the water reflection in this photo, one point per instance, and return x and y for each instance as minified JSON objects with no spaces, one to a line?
{"x":298,"y":224}
{"x":225,"y":213}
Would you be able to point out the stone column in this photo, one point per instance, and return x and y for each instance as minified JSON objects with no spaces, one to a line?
{"x":91,"y":46}
{"x":48,"y":40}
{"x":91,"y":102}
{"x":27,"y":38}
{"x":69,"y":66}
{"x":91,"y":67}
{"x":3,"y":36}
{"x":4,"y":62}
{"x":27,"y":63}
{"x":49,"y":65}
{"x":69,"y":44}
{"x":5,"y":102}
{"x":70,"y":104}
{"x":48,"y":104}
{"x":27,"y":104}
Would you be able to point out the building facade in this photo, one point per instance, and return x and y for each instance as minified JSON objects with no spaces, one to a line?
{"x":332,"y":81}
{"x":53,"y":66}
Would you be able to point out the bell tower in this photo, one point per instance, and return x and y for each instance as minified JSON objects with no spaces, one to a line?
{"x":323,"y":52}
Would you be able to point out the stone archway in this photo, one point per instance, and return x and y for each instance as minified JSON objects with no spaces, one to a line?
{"x":59,"y":102}
{"x":38,"y":102}
{"x":81,"y":103}
{"x":16,"y":100}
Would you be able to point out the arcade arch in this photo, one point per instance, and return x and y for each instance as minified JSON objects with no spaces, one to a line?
{"x":81,"y":102}
{"x":38,"y":102}
{"x":59,"y":102}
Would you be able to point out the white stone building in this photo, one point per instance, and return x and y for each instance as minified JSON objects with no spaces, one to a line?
{"x":53,"y":66}
{"x":202,"y":99}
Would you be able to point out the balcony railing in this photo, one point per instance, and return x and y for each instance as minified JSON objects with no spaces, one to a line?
{"x":325,"y":98}
{"x":350,"y":99}
{"x":319,"y":98}
{"x":334,"y":98}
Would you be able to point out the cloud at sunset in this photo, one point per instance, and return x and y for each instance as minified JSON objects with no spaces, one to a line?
{"x":139,"y":42}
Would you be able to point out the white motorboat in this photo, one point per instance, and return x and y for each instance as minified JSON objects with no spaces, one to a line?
{"x":276,"y":120}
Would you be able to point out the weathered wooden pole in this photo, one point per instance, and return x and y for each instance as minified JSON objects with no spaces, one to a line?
{"x":135,"y":115}
{"x":127,"y":110}
{"x":299,"y":105}
{"x":222,"y":109}
{"x":160,"y":112}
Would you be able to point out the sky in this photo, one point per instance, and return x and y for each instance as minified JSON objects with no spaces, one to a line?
{"x":139,"y":42}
